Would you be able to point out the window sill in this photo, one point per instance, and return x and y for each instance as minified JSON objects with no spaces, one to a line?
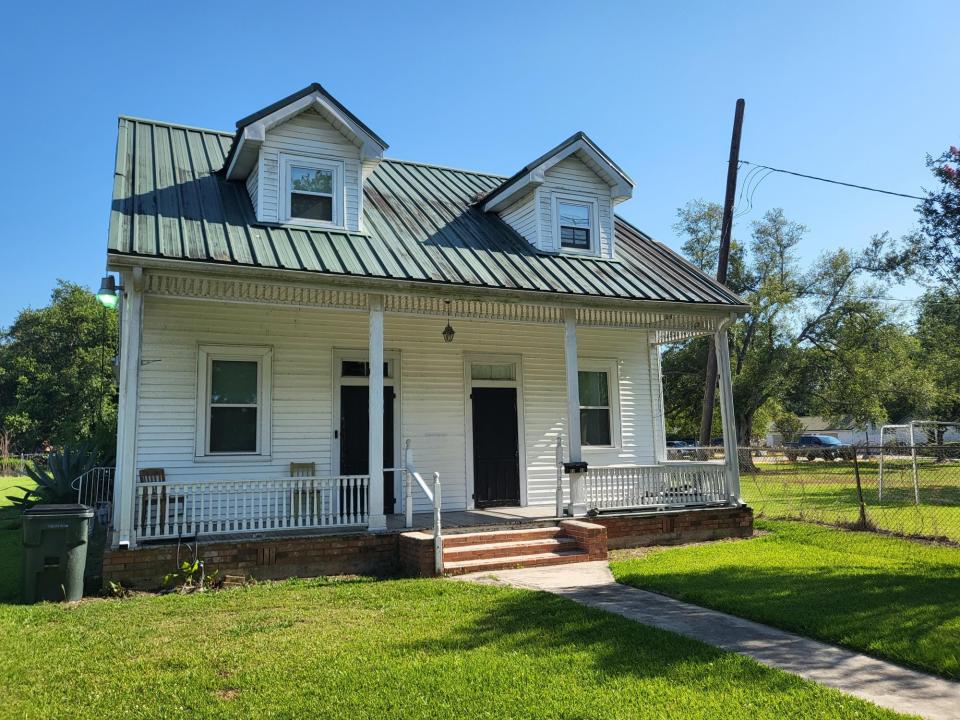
{"x":228,"y":458}
{"x":313,"y":224}
{"x":579,"y":252}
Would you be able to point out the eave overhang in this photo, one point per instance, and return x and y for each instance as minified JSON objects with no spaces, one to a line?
{"x":252,"y":130}
{"x":534,"y":174}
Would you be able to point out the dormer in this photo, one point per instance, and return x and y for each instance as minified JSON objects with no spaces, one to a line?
{"x":563,"y":201}
{"x":303,"y":160}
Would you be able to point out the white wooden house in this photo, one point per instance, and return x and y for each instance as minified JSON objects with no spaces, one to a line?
{"x":297,"y":309}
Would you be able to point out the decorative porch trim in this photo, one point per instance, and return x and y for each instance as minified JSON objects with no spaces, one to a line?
{"x":671,"y":325}
{"x":212,"y":288}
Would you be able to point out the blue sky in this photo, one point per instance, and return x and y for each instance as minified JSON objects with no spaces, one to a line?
{"x":858,"y":91}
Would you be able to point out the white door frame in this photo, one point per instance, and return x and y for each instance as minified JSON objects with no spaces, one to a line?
{"x":468,"y":385}
{"x":337,"y":380}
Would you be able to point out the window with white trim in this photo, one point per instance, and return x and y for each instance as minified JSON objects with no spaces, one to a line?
{"x":599,"y":404}
{"x":233,"y":411}
{"x":576,"y":224}
{"x":313,"y":191}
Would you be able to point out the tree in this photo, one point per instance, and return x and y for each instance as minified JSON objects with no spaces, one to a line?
{"x":938,"y":356}
{"x":799,"y":319}
{"x":787,"y":424}
{"x":861,"y":370}
{"x":56,"y":377}
{"x":935,"y":249}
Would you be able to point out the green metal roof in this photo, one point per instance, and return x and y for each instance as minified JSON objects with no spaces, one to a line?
{"x":421,"y":226}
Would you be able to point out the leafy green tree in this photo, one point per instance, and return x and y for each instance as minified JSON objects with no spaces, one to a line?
{"x":935,"y":249}
{"x":938,"y":357}
{"x":56,"y":376}
{"x":861,"y":370}
{"x":793,"y":312}
{"x":787,"y":424}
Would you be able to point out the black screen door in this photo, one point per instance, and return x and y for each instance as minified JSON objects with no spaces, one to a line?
{"x":355,"y":436}
{"x":496,"y":458}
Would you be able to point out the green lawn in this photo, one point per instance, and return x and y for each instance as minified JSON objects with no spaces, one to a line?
{"x":390,"y":649}
{"x":10,"y":556}
{"x":826,"y":492}
{"x":892,"y":598}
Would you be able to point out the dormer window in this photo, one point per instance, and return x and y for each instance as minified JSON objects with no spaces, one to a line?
{"x":575,"y":225}
{"x":314,"y":191}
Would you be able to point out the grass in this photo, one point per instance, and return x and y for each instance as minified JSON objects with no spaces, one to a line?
{"x":393,"y":649}
{"x":891,"y":598}
{"x":10,"y":553}
{"x":826,"y":492}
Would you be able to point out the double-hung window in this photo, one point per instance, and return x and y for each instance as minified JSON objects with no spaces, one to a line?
{"x":313,"y":191}
{"x":598,"y":407}
{"x":576,"y":224}
{"x":233,"y":411}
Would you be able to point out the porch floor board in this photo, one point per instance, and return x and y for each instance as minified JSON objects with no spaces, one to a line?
{"x":456,"y":519}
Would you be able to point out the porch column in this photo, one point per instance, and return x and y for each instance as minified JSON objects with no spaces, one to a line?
{"x":656,"y":403}
{"x":578,"y":504}
{"x":377,"y":520}
{"x":125,"y":477}
{"x":727,"y":419}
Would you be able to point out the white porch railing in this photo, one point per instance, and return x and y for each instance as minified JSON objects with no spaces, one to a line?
{"x":411,"y":476}
{"x":95,"y":486}
{"x":669,"y":485}
{"x":173,"y":509}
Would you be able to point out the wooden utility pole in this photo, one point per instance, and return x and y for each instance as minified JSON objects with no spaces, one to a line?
{"x":726,"y":228}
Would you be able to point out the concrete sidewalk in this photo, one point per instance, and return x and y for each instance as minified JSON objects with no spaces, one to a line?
{"x":883,"y":683}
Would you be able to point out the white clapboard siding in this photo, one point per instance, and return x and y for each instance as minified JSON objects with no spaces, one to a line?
{"x":432,"y":399}
{"x":311,"y":135}
{"x":522,"y":217}
{"x":253,"y":187}
{"x":571,"y":175}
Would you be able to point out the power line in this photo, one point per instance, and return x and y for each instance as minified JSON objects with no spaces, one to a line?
{"x":834,"y":182}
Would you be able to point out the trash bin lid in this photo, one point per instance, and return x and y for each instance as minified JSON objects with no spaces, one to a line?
{"x":64,"y":510}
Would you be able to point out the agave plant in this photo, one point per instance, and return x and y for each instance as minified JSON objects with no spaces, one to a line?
{"x":55,"y":483}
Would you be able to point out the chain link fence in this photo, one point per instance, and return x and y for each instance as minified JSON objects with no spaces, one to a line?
{"x":14,"y":465}
{"x":913,"y":491}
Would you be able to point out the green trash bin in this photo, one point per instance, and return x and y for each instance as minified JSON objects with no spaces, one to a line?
{"x":54,"y":551}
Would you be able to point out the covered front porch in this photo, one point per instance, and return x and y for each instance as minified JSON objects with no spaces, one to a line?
{"x":203,"y":508}
{"x":330,"y":361}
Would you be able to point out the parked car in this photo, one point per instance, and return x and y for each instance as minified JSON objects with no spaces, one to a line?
{"x":819,"y":446}
{"x":681,"y":450}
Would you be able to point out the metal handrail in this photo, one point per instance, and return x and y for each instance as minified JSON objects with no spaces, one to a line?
{"x":433,"y":495}
{"x":94,"y":486}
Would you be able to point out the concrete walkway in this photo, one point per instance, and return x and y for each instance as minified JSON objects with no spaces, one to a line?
{"x":883,"y":683}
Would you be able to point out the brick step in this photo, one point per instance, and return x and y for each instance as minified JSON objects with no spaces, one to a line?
{"x":507,"y":549}
{"x":500,"y":536}
{"x":557,"y":557}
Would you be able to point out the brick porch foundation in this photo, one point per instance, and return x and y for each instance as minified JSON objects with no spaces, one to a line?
{"x":268,"y":558}
{"x":673,"y":527}
{"x":406,"y":553}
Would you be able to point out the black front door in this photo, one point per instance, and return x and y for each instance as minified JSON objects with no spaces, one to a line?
{"x":496,"y":458}
{"x":355,"y":436}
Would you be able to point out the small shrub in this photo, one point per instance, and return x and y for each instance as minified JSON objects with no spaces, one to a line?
{"x":116,"y":589}
{"x":192,"y":577}
{"x":55,"y":482}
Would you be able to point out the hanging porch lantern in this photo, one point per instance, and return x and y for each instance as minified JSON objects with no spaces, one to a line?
{"x":448,"y":331}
